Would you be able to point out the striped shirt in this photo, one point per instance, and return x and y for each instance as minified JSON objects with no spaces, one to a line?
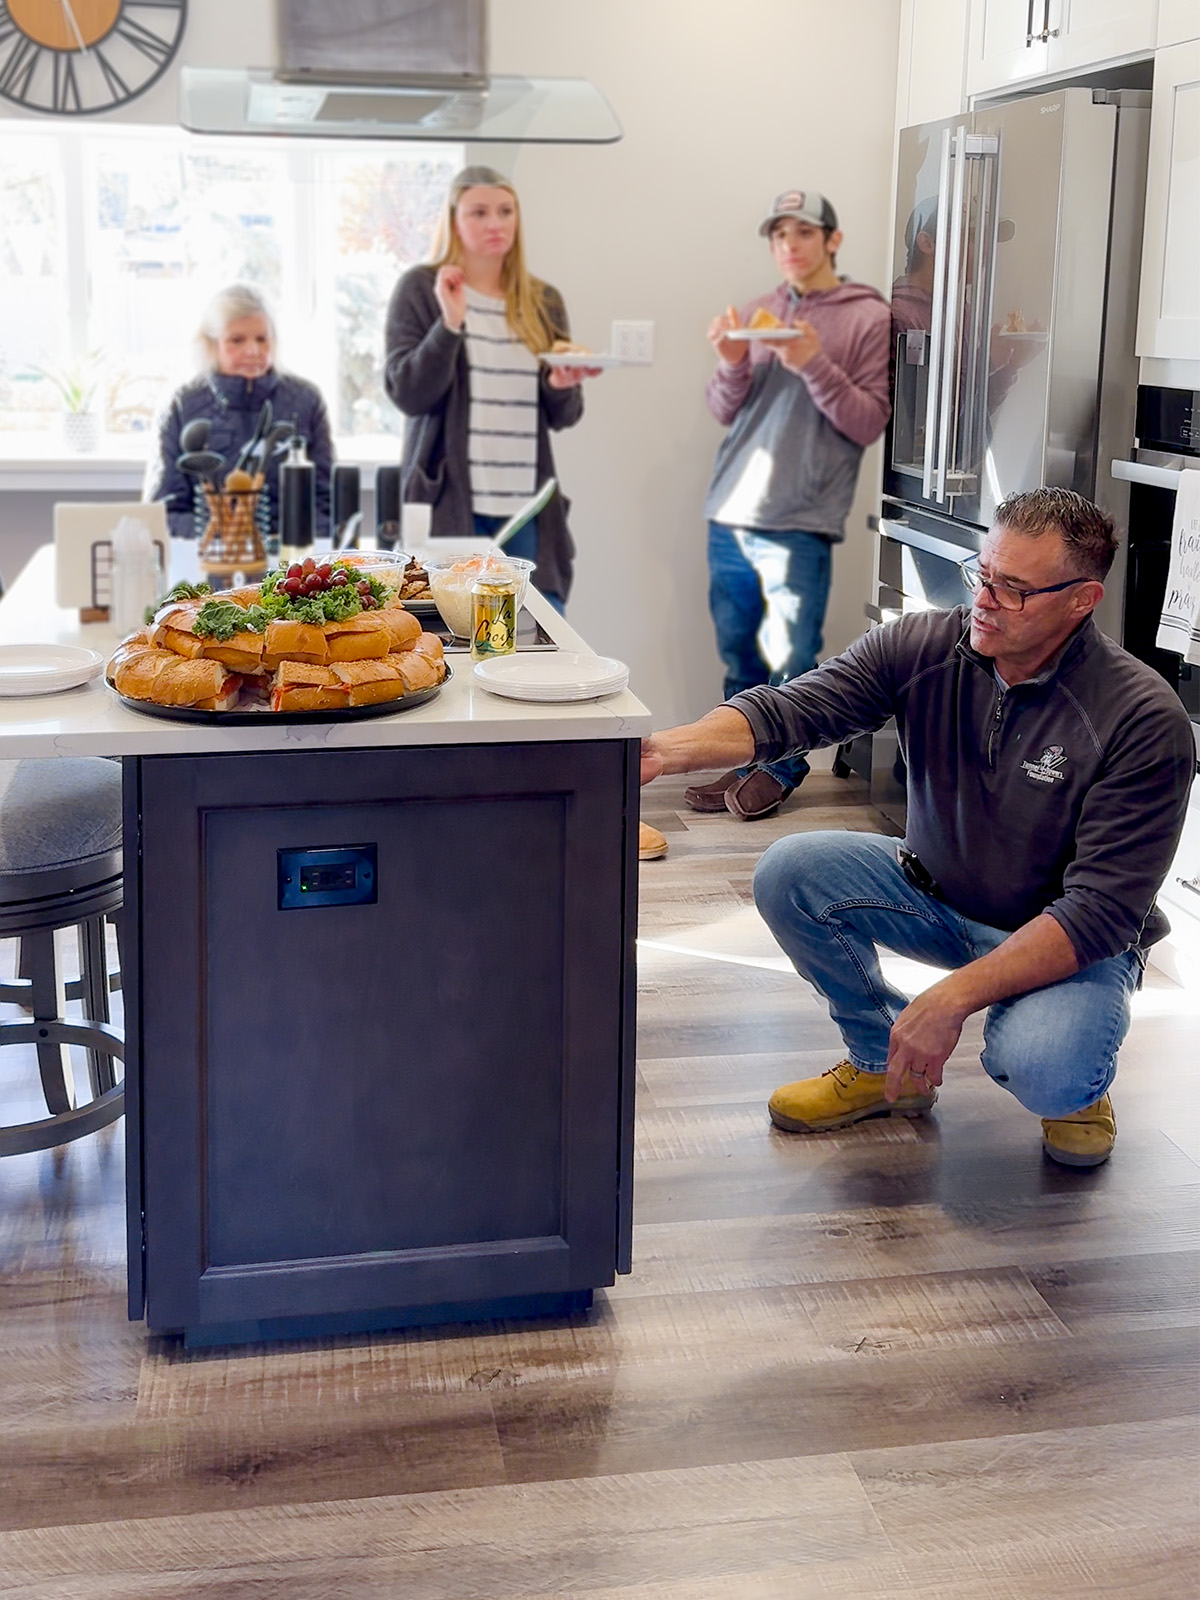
{"x":503,"y":419}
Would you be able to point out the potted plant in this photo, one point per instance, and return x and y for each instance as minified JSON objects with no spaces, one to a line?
{"x":77,"y":384}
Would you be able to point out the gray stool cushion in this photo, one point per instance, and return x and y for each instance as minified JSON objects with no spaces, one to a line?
{"x":56,"y":812}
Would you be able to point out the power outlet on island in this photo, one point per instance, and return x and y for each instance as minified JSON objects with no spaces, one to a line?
{"x":633,"y":342}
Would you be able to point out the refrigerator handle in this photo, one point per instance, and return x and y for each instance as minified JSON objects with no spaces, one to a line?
{"x":939,"y":290}
{"x":947,"y":397}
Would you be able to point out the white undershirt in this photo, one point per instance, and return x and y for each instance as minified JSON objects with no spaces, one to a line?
{"x":503,"y":417}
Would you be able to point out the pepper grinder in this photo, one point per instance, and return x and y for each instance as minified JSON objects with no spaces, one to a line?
{"x":345,"y":494}
{"x":297,"y":504}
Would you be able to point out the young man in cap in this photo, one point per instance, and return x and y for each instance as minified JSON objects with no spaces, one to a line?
{"x":801,"y":404}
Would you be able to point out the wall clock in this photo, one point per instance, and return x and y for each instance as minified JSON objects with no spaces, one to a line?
{"x":73,"y":58}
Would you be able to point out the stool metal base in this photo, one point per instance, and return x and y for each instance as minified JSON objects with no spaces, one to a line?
{"x":23,"y":1137}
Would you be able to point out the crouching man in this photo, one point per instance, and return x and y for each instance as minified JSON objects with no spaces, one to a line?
{"x":1048,"y":776}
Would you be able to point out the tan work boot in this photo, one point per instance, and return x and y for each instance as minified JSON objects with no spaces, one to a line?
{"x":651,"y":843}
{"x":1085,"y":1138}
{"x":841,"y":1096}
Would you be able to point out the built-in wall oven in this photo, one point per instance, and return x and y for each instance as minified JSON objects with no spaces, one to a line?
{"x":1167,"y":440}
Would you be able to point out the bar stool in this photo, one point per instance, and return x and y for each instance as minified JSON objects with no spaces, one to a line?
{"x":60,"y":867}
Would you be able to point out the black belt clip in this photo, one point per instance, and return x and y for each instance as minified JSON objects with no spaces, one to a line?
{"x":916,"y":873}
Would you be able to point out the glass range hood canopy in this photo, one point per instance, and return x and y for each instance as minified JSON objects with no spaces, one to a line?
{"x":501,"y":110}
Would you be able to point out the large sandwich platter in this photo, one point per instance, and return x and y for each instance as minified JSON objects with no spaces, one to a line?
{"x":252,"y":713}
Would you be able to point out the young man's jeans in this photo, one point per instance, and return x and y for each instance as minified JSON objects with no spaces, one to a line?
{"x":831,"y":898}
{"x":767,"y":593}
{"x":523,"y":545}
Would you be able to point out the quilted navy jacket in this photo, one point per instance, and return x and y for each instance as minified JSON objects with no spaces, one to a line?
{"x":232,"y":405}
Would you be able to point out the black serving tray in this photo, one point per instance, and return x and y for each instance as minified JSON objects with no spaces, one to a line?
{"x":253,"y":717}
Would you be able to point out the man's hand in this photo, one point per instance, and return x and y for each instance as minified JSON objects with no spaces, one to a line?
{"x":1037,"y":954}
{"x":450,"y":288}
{"x":923,"y":1037}
{"x":723,"y":738}
{"x":795,"y":354}
{"x":732,"y":351}
{"x":653,"y":761}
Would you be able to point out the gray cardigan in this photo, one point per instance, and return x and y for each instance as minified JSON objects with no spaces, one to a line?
{"x":427,"y":374}
{"x":1064,"y":794}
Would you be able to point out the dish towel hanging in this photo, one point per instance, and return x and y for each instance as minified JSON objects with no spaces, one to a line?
{"x":1179,"y":627}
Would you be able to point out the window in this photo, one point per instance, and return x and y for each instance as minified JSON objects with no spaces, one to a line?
{"x":112,"y":240}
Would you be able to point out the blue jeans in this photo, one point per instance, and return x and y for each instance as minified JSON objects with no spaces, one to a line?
{"x":523,"y":544}
{"x":767,"y":593}
{"x":831,"y":898}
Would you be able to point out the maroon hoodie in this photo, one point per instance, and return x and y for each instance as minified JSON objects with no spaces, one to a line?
{"x":790,"y":459}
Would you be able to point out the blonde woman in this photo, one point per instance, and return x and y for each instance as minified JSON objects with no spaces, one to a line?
{"x":464,"y":337}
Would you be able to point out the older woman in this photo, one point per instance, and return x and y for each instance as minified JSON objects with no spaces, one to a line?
{"x":464,"y":337}
{"x":237,"y":343}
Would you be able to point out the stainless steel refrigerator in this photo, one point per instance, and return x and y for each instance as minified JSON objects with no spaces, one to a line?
{"x":1016,"y":253}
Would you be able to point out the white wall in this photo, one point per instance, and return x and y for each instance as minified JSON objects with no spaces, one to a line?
{"x":723,"y":106}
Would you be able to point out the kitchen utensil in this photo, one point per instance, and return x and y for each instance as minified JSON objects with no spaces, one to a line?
{"x":46,"y":668}
{"x":194,"y":435}
{"x":280,"y":434}
{"x":565,"y":675}
{"x":206,"y":464}
{"x":526,"y":513}
{"x":246,"y":454}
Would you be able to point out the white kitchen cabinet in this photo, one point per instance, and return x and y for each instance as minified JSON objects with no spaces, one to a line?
{"x":1013,"y":41}
{"x":1178,"y":21}
{"x":1004,"y":46}
{"x":933,"y":39}
{"x":1083,"y":32}
{"x":1169,"y":304}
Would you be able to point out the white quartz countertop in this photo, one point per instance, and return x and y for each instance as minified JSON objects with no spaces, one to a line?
{"x":91,"y":721}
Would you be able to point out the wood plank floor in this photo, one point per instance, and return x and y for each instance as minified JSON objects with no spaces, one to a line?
{"x":908,"y":1360}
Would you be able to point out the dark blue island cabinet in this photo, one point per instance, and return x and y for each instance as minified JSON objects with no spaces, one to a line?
{"x":380,"y":1051}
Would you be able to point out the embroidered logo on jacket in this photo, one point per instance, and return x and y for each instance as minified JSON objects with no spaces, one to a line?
{"x":1048,"y":766}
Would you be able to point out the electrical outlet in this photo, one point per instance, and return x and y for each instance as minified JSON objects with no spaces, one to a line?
{"x":633,"y":342}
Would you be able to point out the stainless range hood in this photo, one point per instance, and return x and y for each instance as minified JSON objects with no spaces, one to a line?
{"x":391,"y":69}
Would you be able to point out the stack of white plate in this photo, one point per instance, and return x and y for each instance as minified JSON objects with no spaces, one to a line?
{"x":552,"y":677}
{"x":46,"y":668}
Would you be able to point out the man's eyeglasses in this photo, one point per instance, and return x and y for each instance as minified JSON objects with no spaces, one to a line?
{"x":1004,"y":595}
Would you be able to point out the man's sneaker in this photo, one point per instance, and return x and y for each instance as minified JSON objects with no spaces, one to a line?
{"x":841,"y":1096}
{"x":756,"y":795}
{"x":1085,"y":1138}
{"x":710,"y":796}
{"x":651,"y":843}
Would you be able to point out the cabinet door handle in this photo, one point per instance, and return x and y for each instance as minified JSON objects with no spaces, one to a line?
{"x":1029,"y":26}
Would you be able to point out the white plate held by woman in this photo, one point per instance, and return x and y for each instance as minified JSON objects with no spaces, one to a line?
{"x":565,"y":675}
{"x":46,"y":668}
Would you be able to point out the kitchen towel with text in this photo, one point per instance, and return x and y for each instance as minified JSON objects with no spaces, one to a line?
{"x":1179,"y":628}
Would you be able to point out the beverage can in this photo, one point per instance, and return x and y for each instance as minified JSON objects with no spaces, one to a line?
{"x":494,"y":618}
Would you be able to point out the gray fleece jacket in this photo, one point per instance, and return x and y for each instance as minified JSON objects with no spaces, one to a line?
{"x":790,"y":459}
{"x":1064,"y":794}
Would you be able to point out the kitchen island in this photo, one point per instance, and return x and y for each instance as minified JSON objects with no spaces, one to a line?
{"x":416,"y":1107}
